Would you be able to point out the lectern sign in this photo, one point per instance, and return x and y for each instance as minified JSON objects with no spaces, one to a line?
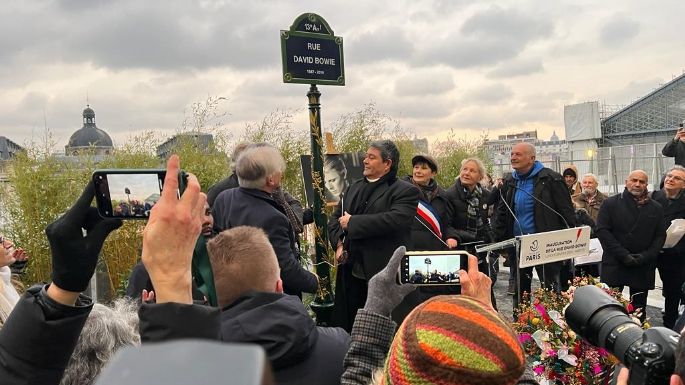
{"x":311,"y":54}
{"x":553,"y":246}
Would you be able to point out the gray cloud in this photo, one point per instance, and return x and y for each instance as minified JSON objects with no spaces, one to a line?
{"x":618,"y":30}
{"x":493,"y":93}
{"x":385,"y":43}
{"x":487,"y":38}
{"x":521,"y":67}
{"x":425,"y":82}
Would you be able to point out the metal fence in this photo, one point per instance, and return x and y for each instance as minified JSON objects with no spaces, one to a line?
{"x":611,"y":164}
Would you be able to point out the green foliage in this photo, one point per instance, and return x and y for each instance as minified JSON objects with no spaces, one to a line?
{"x":449,"y":153}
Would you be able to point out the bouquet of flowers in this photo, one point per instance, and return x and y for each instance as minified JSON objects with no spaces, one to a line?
{"x":557,"y":353}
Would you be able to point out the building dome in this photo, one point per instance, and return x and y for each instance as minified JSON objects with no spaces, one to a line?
{"x":89,"y":136}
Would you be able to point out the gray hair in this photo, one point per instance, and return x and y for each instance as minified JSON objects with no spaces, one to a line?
{"x":479,"y":165}
{"x":594,"y":177}
{"x":388,"y":150}
{"x":237,"y":150}
{"x":105,"y":332}
{"x":256,"y":163}
{"x":678,"y":168}
{"x":529,"y":146}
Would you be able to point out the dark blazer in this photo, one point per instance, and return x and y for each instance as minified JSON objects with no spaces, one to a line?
{"x":549,"y":187}
{"x":675,"y":149}
{"x":622,"y":229}
{"x":384,"y":226}
{"x":220,"y":186}
{"x":250,"y":207}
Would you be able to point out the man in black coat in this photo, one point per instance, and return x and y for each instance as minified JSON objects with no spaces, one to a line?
{"x":255,"y":310}
{"x":260,"y":169}
{"x":676,"y":148}
{"x":373,"y":219}
{"x":631,"y":230}
{"x":670,"y":261}
{"x":232,"y":180}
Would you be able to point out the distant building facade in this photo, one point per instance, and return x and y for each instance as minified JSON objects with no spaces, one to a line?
{"x":201,"y":140}
{"x":499,"y":149}
{"x":8,"y":149}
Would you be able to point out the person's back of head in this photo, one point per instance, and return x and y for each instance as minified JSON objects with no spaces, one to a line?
{"x":243,"y":259}
{"x":257,"y":163}
{"x":105,"y":332}
{"x":454,"y":340}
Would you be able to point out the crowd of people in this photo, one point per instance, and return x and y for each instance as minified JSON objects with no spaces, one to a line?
{"x":224,"y":268}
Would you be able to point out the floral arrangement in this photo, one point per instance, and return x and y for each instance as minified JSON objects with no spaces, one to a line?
{"x":557,"y":353}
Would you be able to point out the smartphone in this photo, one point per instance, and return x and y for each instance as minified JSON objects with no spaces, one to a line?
{"x":130,"y":194}
{"x":428,"y":268}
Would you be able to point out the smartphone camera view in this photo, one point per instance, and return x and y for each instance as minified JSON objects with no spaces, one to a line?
{"x":436,"y":268}
{"x":121,"y":194}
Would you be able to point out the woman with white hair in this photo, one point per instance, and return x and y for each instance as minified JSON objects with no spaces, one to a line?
{"x":471,"y":220}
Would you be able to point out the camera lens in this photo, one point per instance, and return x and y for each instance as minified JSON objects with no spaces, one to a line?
{"x":603,"y":321}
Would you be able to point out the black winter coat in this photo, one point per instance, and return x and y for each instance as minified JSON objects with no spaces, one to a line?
{"x":549,"y":188}
{"x":673,"y":209}
{"x":457,"y":197}
{"x":220,"y":186}
{"x":624,"y":228}
{"x":384,"y":225}
{"x":250,"y":207}
{"x":424,"y":239}
{"x":300,"y":352}
{"x":675,"y":149}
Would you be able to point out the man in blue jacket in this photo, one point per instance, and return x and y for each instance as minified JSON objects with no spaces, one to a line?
{"x":539,"y":201}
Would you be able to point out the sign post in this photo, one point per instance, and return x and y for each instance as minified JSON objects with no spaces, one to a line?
{"x":313,"y":55}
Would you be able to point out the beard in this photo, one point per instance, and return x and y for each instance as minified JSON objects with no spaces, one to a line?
{"x":589,"y":191}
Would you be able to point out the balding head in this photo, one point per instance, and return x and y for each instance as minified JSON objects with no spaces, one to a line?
{"x":636,"y":183}
{"x":522,"y":157}
{"x":243,"y":259}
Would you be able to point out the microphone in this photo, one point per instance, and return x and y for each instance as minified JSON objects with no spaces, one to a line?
{"x":501,"y":197}
{"x":544,"y":204}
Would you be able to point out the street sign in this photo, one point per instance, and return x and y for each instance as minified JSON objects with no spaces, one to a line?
{"x":311,"y":53}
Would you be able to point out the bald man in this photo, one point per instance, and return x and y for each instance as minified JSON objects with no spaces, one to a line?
{"x":535,"y":200}
{"x":631,"y":231}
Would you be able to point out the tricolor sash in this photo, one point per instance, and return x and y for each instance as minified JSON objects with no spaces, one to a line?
{"x":427,"y":212}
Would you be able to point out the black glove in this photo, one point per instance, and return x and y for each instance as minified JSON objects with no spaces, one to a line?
{"x":384,"y":293}
{"x":631,"y":260}
{"x":74,"y":256}
{"x":638,"y":259}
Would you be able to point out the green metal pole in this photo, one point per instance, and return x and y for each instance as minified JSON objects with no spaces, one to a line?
{"x":323,"y":303}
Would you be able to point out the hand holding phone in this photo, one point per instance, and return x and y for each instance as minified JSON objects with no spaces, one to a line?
{"x":427,"y":268}
{"x":130,"y":194}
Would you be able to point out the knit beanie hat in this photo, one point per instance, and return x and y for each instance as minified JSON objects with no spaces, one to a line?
{"x":454,"y":340}
{"x":569,"y":172}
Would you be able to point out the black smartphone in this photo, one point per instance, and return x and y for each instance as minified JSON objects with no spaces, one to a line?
{"x":429,"y":268}
{"x":130,"y":194}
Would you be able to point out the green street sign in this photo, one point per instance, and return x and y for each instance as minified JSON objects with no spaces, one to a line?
{"x":311,"y":53}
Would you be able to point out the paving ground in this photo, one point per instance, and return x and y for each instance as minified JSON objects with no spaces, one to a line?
{"x":505,"y":301}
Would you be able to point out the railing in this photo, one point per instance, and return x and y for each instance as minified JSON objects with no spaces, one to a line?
{"x":611,"y":165}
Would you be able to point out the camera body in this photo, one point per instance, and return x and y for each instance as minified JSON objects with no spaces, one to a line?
{"x":604,"y":322}
{"x":652,"y":360}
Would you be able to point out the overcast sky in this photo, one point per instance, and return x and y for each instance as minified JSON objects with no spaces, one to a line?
{"x":500,"y":66}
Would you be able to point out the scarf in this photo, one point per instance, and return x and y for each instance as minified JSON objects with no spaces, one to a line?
{"x":429,"y":191}
{"x":295,"y":222}
{"x":641,"y":199}
{"x":474,"y":217}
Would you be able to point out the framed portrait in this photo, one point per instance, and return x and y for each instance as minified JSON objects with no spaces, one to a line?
{"x":340,"y":170}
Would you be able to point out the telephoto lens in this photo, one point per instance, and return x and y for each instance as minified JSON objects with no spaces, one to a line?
{"x":604,"y":322}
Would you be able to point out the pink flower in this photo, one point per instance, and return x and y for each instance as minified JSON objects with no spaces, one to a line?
{"x":525,"y":337}
{"x":539,"y":369}
{"x":602,"y":352}
{"x":597,"y":369}
{"x":542,"y":311}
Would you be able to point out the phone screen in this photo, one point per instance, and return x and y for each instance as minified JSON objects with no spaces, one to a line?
{"x":127,"y":194}
{"x":433,"y":268}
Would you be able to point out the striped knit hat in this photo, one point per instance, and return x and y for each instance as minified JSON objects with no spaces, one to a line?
{"x":454,"y":340}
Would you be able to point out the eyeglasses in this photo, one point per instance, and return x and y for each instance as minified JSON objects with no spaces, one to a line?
{"x":675,"y":177}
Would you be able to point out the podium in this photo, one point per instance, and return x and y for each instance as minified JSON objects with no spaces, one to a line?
{"x":541,"y":248}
